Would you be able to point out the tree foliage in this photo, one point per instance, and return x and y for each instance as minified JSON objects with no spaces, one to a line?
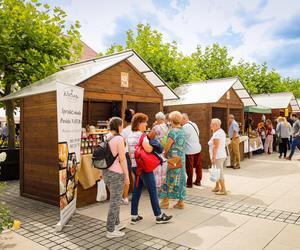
{"x":163,"y":57}
{"x":206,"y":63}
{"x":34,"y":41}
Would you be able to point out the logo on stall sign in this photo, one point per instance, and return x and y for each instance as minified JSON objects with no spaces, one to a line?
{"x":70,"y":95}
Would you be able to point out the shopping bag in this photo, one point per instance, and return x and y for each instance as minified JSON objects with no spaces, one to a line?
{"x":214,"y":173}
{"x":101,"y":192}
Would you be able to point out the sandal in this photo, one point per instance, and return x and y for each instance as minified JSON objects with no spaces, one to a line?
{"x":163,"y":205}
{"x":215,"y":190}
{"x":179,"y":206}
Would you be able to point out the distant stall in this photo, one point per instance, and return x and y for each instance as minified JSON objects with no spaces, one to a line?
{"x":281,"y":104}
{"x":203,"y":101}
{"x":254,"y":142}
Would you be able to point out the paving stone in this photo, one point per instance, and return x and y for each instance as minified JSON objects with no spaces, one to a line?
{"x":51,"y":244}
{"x":57,"y":247}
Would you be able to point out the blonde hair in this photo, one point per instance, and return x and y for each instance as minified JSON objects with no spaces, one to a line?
{"x":175,"y":117}
{"x":283,"y":119}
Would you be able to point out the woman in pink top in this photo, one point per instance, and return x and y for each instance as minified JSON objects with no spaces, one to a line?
{"x":114,"y":177}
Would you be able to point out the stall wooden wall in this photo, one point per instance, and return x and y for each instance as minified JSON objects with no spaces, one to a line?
{"x":39,"y":157}
{"x":202,"y":114}
{"x":151,"y":109}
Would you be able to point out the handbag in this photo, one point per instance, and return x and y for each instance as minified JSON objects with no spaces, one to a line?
{"x":214,"y":173}
{"x":175,"y":162}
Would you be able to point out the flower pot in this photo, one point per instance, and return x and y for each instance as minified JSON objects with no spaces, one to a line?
{"x":10,"y":168}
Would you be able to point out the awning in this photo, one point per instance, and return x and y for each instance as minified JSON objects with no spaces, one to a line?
{"x":258,"y":109}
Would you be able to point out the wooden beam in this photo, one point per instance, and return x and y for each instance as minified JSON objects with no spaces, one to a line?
{"x":22,"y":146}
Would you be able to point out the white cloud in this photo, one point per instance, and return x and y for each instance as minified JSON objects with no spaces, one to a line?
{"x":251,"y":19}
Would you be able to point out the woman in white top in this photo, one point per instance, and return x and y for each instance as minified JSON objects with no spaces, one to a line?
{"x":217,"y":152}
{"x":125,"y":133}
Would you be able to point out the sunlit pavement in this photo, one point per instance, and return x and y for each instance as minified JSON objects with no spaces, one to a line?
{"x":261,"y":211}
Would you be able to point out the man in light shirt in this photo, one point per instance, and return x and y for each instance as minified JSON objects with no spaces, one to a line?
{"x":192,"y":151}
{"x":234,"y":146}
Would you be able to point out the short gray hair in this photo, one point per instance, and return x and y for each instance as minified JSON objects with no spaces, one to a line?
{"x":160,"y":116}
{"x":216,"y":121}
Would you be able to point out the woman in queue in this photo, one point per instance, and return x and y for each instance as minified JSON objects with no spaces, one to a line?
{"x":174,"y":185}
{"x":138,"y":127}
{"x":115,"y":177}
{"x":159,"y":131}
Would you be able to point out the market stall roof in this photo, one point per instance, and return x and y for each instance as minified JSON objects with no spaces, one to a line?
{"x":298,"y":100}
{"x":277,"y":100}
{"x":210,"y":92}
{"x":74,"y":74}
{"x":258,"y":109}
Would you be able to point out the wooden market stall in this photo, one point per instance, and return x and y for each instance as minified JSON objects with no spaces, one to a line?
{"x":281,"y":104}
{"x":203,"y":101}
{"x":254,"y":142}
{"x":111,"y":84}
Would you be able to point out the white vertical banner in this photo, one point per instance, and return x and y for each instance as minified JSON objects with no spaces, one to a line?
{"x":69,"y":124}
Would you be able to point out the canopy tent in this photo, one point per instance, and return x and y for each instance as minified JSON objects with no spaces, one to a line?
{"x":210,"y":92}
{"x":277,"y":101}
{"x":258,"y":109}
{"x":73,"y":74}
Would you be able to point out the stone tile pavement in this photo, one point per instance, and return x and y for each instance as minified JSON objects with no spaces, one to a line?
{"x":261,"y":211}
{"x":82,"y":232}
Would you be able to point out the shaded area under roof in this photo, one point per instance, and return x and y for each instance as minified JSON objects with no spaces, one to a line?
{"x":74,"y":74}
{"x":277,"y":100}
{"x":210,"y":92}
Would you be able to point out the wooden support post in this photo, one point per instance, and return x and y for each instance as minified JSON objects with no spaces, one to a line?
{"x":124,"y":106}
{"x":88,"y":112}
{"x":22,"y":146}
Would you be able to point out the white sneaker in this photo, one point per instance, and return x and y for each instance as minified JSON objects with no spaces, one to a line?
{"x":125,"y":201}
{"x":115,"y":234}
{"x":120,"y":227}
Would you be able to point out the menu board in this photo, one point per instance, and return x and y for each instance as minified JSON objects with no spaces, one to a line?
{"x":69,"y":123}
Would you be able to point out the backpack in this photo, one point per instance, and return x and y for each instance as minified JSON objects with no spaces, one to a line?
{"x":102,"y":156}
{"x":146,"y":162}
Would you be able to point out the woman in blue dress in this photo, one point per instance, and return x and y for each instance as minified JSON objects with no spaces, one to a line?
{"x":174,"y":185}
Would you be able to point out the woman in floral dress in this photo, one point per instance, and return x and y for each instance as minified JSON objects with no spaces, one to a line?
{"x":159,"y":132}
{"x":174,"y":185}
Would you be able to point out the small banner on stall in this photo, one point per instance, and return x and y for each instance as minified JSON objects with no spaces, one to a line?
{"x":69,"y":123}
{"x":286,"y":112}
{"x":124,"y":80}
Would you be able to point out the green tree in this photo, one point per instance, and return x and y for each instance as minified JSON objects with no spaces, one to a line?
{"x":163,"y":57}
{"x":213,"y":63}
{"x":34,"y":41}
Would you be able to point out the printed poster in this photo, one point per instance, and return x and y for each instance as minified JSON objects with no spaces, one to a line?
{"x":69,"y":124}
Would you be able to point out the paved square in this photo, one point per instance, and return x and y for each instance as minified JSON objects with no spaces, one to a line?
{"x":261,"y":211}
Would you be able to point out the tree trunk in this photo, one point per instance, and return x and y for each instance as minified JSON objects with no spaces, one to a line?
{"x":9,"y":106}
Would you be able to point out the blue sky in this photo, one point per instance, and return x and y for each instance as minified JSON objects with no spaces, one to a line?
{"x":256,"y":30}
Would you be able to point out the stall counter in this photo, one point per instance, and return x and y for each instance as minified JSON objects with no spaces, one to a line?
{"x":88,"y":175}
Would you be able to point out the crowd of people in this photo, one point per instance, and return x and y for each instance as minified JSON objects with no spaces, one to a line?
{"x":284,"y":133}
{"x":180,"y":140}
